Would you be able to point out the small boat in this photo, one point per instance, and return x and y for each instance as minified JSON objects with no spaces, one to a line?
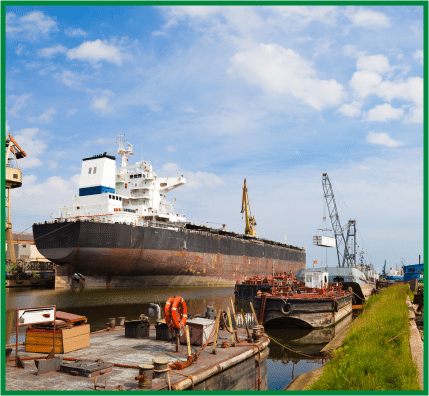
{"x":314,"y":303}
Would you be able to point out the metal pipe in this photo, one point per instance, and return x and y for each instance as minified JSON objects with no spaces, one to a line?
{"x":225,"y":364}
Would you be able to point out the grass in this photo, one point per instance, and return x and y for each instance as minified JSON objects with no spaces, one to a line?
{"x":376,"y":353}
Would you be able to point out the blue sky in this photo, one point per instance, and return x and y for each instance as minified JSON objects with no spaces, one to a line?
{"x":275,"y":94}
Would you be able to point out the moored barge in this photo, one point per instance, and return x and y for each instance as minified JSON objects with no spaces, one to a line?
{"x":314,"y":303}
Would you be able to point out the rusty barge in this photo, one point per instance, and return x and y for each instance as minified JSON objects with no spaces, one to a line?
{"x":282,"y":301}
{"x":120,"y":228}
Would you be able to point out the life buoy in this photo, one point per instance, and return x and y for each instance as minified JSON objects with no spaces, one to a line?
{"x":178,"y":312}
{"x":167,"y":310}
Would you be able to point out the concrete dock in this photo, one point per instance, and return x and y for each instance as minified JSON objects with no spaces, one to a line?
{"x":239,"y":367}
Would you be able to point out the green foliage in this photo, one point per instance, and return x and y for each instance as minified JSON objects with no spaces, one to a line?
{"x":376,"y":353}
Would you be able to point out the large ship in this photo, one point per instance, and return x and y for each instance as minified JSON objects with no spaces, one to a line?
{"x":121,"y":227}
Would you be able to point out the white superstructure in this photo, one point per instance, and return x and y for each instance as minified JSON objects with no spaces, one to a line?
{"x":131,"y":194}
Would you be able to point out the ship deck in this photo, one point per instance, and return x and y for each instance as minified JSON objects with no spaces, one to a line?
{"x":223,"y":370}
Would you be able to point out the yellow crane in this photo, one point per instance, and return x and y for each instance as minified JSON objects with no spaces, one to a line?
{"x":245,"y":208}
{"x":13,"y":180}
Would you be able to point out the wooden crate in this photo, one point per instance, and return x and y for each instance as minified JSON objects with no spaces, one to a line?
{"x":66,"y":340}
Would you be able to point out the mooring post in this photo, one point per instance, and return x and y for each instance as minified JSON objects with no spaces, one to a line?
{"x":177,"y":340}
{"x":245,"y":323}
{"x":232,"y":329}
{"x":188,"y":341}
{"x":233,"y":312}
{"x":217,"y":324}
{"x":216,"y":330}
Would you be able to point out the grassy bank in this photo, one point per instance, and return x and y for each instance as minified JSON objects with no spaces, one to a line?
{"x":376,"y":353}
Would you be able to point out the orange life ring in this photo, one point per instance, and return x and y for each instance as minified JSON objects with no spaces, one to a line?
{"x":167,"y":310}
{"x":179,"y":312}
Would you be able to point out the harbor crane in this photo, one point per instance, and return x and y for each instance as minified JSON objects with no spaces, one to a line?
{"x":245,"y":208}
{"x":13,"y":180}
{"x":346,"y":244}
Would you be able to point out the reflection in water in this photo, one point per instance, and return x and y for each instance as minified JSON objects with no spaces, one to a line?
{"x":299,"y":352}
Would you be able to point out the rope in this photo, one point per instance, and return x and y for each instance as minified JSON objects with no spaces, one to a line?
{"x":53,"y":231}
{"x":291,"y":350}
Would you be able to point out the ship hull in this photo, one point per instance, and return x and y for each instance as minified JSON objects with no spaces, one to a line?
{"x":104,"y":249}
{"x":305,"y":312}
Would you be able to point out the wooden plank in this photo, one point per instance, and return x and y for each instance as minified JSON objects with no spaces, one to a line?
{"x":42,"y":341}
{"x":79,"y":342}
{"x":42,"y":348}
{"x":76,"y":331}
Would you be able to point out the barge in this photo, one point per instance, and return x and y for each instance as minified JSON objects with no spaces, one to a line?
{"x":314,"y":303}
{"x":240,"y":367}
{"x":121,"y":227}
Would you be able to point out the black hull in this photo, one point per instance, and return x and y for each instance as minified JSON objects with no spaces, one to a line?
{"x":121,"y":250}
{"x":304,"y":312}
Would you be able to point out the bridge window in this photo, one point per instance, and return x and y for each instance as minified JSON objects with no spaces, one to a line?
{"x":89,"y":171}
{"x":95,"y":170}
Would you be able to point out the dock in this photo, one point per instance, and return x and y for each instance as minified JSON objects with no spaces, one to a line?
{"x":239,"y":367}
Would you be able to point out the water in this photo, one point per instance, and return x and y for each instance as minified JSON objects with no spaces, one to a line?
{"x":300,"y":354}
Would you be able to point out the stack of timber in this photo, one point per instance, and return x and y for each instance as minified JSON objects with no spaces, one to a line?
{"x":71,"y":333}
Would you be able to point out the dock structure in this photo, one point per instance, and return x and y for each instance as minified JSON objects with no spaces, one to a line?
{"x":239,"y":367}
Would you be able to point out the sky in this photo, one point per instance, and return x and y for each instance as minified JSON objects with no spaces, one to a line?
{"x":278,"y":95}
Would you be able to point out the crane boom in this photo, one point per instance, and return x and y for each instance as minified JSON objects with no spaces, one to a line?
{"x":245,"y":208}
{"x":341,"y":242}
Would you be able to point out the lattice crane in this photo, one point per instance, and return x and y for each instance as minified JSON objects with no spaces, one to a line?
{"x":348,"y":258}
{"x":245,"y":208}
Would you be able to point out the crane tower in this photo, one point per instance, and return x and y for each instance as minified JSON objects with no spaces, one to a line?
{"x":348,"y":259}
{"x":245,"y":208}
{"x":13,"y":180}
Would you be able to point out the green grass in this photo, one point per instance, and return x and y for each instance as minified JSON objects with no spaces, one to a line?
{"x":371,"y":358}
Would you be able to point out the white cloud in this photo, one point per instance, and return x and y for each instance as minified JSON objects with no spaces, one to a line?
{"x":197,"y":180}
{"x":52,"y":165}
{"x":101,"y":103}
{"x":365,"y":83}
{"x":45,"y":118}
{"x":282,"y":71}
{"x":351,"y":50}
{"x":190,"y":109}
{"x":28,"y":139}
{"x":71,"y":79}
{"x":30,"y":26}
{"x":247,"y":21}
{"x":17,"y":102}
{"x":351,"y":109}
{"x":383,"y":113}
{"x":45,"y":196}
{"x":95,"y":51}
{"x":75,"y":32}
{"x":71,"y":112}
{"x":374,"y":63}
{"x":171,"y":149}
{"x":367,"y":18}
{"x":49,"y":52}
{"x":383,"y":139}
{"x":7,"y":127}
{"x":414,"y":116}
{"x":418,"y":56}
{"x":409,"y":90}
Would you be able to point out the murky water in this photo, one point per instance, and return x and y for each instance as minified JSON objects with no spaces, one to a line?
{"x":298,"y":353}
